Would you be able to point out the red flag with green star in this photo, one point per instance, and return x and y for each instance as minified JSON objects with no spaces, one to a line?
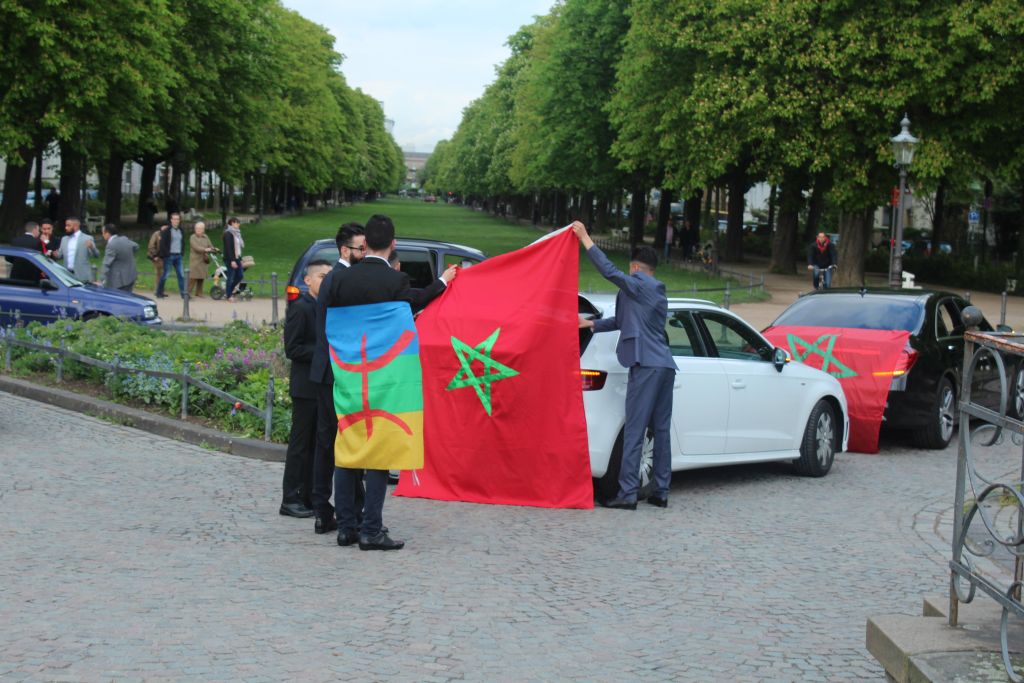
{"x":502,"y":400}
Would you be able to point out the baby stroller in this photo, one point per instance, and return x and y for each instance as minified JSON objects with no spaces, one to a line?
{"x":220,"y":275}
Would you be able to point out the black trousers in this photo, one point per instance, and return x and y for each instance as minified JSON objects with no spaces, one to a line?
{"x":298,"y":462}
{"x":323,"y":456}
{"x":365,"y":516}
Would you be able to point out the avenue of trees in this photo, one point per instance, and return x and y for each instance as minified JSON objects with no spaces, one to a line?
{"x":603,"y":99}
{"x":221,"y":86}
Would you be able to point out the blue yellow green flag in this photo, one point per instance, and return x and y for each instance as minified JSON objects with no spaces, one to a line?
{"x":378,"y":386}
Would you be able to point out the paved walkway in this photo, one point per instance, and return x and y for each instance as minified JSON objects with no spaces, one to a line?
{"x":124,"y":555}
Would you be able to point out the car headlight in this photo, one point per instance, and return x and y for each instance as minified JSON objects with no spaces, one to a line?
{"x":149,"y":312}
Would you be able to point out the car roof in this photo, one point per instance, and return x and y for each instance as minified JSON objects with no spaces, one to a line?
{"x":919,"y":295}
{"x":606,"y":299}
{"x":417,"y":242}
{"x":12,"y":251}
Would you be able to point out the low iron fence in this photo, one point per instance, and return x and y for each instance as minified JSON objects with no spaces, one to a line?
{"x":988,"y":513}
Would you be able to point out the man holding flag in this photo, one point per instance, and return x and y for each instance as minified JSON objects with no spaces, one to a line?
{"x":378,"y":399}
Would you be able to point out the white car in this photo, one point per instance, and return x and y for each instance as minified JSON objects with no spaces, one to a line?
{"x":737,"y":399}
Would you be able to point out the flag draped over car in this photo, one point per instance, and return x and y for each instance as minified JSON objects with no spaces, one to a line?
{"x":865,"y":363}
{"x":503,"y":406}
{"x":378,"y":399}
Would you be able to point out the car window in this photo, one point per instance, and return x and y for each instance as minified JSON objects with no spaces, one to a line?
{"x":868,"y":312}
{"x":329,"y":254}
{"x":733,"y":339}
{"x":18,"y":271}
{"x":948,"y":322}
{"x":418,"y":264}
{"x":683,"y":338}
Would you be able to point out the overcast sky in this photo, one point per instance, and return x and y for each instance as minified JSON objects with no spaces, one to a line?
{"x":424,"y":59}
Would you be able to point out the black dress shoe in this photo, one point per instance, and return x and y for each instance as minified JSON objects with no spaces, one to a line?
{"x":657,"y":502}
{"x":325,"y":525}
{"x":161,"y":296}
{"x":295,"y":510}
{"x":379,"y":542}
{"x":620,"y":504}
{"x":346,"y":538}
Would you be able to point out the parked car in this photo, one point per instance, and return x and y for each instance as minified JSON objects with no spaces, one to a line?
{"x":737,"y":398}
{"x":430,"y":199}
{"x":58,"y":293}
{"x":422,"y":260}
{"x":927,"y":378}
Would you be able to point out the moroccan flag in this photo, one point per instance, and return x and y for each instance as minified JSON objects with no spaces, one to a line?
{"x":377,"y":386}
{"x":503,"y":402}
{"x":864,"y":362}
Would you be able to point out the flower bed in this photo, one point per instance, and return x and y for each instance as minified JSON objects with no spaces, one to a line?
{"x":236,"y":359}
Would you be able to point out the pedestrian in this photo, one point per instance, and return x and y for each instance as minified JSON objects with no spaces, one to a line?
{"x":200,"y":248}
{"x":47,"y":242}
{"x":52,"y":204}
{"x":372,"y":281}
{"x":75,"y":249}
{"x":171,"y":241}
{"x":233,"y":245}
{"x":118,"y":270}
{"x":153,"y":252}
{"x":22,"y":268}
{"x":821,"y":259}
{"x":641,"y":309}
{"x":669,"y":236}
{"x":299,"y":344}
{"x":351,"y":244}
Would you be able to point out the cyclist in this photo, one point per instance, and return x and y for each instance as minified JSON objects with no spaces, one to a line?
{"x":821,"y":261}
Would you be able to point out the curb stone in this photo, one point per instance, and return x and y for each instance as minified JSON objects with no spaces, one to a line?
{"x":139,"y":419}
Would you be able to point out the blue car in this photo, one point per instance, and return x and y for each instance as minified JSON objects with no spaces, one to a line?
{"x":44,"y":291}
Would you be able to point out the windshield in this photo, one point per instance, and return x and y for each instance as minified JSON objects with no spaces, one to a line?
{"x":853,"y":310}
{"x":65,"y":276}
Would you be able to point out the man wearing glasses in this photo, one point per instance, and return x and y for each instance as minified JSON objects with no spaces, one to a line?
{"x":351,"y":245}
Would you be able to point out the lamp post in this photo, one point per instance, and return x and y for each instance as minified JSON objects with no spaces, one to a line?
{"x":263,"y":186}
{"x":903,"y":150}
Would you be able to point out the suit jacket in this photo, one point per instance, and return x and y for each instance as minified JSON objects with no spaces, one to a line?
{"x":300,"y":343}
{"x":81,"y":267}
{"x":22,"y":269}
{"x":320,"y":368}
{"x":119,"y":263}
{"x":641,"y":310}
{"x":374,"y":281}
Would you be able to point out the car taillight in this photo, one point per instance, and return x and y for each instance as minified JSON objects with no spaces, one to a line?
{"x":908,"y":357}
{"x":292,"y":292}
{"x":593,"y":380}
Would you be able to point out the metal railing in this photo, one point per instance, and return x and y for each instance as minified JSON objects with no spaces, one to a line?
{"x":998,"y":505}
{"x":61,"y":353}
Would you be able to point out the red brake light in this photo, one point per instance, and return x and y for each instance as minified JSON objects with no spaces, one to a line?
{"x":908,"y":356}
{"x":593,"y":380}
{"x":292,"y":292}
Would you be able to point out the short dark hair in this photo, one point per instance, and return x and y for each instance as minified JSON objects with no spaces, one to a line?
{"x":315,"y":264}
{"x":645,"y":255}
{"x":345,"y":234}
{"x":234,"y":220}
{"x":72,"y":219}
{"x":110,"y":228}
{"x":30,"y":226}
{"x":173,"y":214}
{"x":46,"y":221}
{"x":380,"y":232}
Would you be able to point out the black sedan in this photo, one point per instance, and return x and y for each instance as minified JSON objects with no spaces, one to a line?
{"x":925,"y":385}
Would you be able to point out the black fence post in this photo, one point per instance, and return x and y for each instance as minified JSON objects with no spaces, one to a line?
{"x":273,"y":299}
{"x":60,"y":362}
{"x":269,"y":410}
{"x":184,"y":391}
{"x":7,"y":351}
{"x":184,"y":298}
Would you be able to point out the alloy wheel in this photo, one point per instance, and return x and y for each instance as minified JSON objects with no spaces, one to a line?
{"x":947,"y":410}
{"x":824,"y":439}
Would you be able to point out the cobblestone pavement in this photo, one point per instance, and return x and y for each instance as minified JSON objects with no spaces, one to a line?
{"x":125,"y":555}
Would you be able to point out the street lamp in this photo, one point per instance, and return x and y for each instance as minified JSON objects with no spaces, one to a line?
{"x":263,"y":185}
{"x":903,"y":151}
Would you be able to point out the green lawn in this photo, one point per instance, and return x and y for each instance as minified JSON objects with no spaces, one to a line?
{"x":276,"y":243}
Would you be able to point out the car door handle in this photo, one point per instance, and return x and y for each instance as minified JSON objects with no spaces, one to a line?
{"x":739,"y":384}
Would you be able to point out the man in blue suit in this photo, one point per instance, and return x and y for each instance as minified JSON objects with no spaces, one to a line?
{"x":641,"y":310}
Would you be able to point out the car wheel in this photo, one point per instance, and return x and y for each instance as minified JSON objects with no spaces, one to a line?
{"x":217,"y":292}
{"x":818,"y":447}
{"x":1016,"y":402}
{"x":608,"y":485}
{"x":938,"y":431}
{"x":93,"y":315}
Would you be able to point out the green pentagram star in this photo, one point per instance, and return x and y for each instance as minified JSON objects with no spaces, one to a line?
{"x":828,"y":357}
{"x":493,"y":370}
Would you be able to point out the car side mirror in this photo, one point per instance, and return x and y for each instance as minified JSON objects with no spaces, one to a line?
{"x":780,"y":357}
{"x":972,"y":316}
{"x":46,"y":285}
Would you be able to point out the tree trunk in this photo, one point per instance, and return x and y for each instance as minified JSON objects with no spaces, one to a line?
{"x":734,"y":228}
{"x":16,"y":182}
{"x":115,"y":171}
{"x":939,"y":219}
{"x":784,"y":241}
{"x":72,"y":163}
{"x":664,"y":213}
{"x":772,"y":201}
{"x":600,"y":220}
{"x":146,"y":189}
{"x":637,"y":214}
{"x":854,"y":235}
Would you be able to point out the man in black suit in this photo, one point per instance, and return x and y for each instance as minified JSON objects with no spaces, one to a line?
{"x":372,"y":281}
{"x":299,"y":344}
{"x":351,"y":246}
{"x":22,"y":268}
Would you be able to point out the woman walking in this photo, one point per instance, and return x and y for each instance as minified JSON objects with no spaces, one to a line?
{"x":233,"y":245}
{"x":200,"y":248}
